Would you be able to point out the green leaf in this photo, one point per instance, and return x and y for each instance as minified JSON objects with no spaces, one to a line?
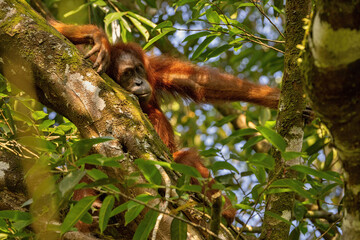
{"x":69,"y":182}
{"x":150,"y":172}
{"x":217,"y":51}
{"x":76,"y":213}
{"x":245,"y":5}
{"x":100,"y":160}
{"x":252,"y":141}
{"x":202,"y":46}
{"x":119,"y":209}
{"x":142,"y":19}
{"x":225,"y":120}
{"x":299,"y":210}
{"x":273,"y":137}
{"x":109,"y":18}
{"x":37,"y":115}
{"x":133,"y":212}
{"x":178,"y":229}
{"x":68,"y":14}
{"x":242,"y":206}
{"x":154,"y":39}
{"x":46,"y":124}
{"x":294,"y":185}
{"x":212,"y":16}
{"x":262,"y":160}
{"x":316,"y":173}
{"x":99,"y":175}
{"x":15,"y":215}
{"x":164,"y":24}
{"x":187,"y":170}
{"x":105,"y":212}
{"x":99,"y":183}
{"x":220,"y":165}
{"x":183,"y":2}
{"x":212,"y":152}
{"x":146,"y":225}
{"x":83,"y":146}
{"x":291,"y":155}
{"x":87,"y":218}
{"x":196,"y":36}
{"x":326,"y":189}
{"x":37,"y":143}
{"x":18,"y":116}
{"x":140,"y":27}
{"x":265,"y":116}
{"x":134,"y":208}
{"x":190,"y":188}
{"x":243,"y":132}
{"x":259,"y":172}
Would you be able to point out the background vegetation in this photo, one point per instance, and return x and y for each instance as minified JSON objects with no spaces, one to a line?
{"x":244,"y":38}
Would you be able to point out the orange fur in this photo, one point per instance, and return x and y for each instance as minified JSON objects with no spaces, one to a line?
{"x":178,"y":78}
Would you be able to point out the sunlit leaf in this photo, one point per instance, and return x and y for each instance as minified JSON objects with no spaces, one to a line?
{"x":37,"y":115}
{"x":212,"y":16}
{"x":140,"y":27}
{"x":142,"y":19}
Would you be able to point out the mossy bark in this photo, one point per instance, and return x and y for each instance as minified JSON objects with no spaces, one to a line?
{"x":38,"y":59}
{"x":289,"y":122}
{"x":332,"y":79}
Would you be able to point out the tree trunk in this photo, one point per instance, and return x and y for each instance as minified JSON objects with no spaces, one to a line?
{"x":40,"y":61}
{"x":289,"y":122}
{"x":332,"y":76}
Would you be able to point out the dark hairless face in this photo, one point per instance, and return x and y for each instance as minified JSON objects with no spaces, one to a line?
{"x":131,"y":75}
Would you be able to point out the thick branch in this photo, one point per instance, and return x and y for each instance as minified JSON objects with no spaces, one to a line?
{"x":332,"y":80}
{"x":38,"y":59}
{"x":289,"y":121}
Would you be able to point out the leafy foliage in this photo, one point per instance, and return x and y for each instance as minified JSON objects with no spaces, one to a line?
{"x":231,"y":35}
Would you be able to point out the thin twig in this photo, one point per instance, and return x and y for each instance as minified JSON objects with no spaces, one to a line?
{"x":248,"y":34}
{"x":257,"y":201}
{"x":7,"y":123}
{"x":264,"y":14}
{"x":169,"y":214}
{"x":333,"y":224}
{"x":251,"y":40}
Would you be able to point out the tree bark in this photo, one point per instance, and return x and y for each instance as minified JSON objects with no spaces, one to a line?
{"x":43,"y":63}
{"x":289,"y":122}
{"x":332,"y":79}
